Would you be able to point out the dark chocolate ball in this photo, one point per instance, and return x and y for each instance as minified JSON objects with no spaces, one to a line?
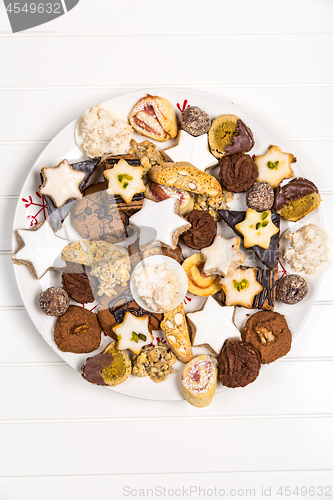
{"x":54,"y":301}
{"x":291,"y":289}
{"x":260,"y":196}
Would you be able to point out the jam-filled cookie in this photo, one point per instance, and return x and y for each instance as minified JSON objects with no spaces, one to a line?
{"x":154,"y":117}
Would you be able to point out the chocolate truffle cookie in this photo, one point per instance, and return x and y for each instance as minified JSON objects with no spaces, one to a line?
{"x":77,"y":284}
{"x":291,"y":289}
{"x":269,"y":334}
{"x":238,"y":172}
{"x":54,"y":301}
{"x":238,"y":363}
{"x":229,"y":135}
{"x":260,"y":196}
{"x":202,"y":232}
{"x":114,"y":314}
{"x":195,"y":121}
{"x":295,"y":200}
{"x":77,"y":331}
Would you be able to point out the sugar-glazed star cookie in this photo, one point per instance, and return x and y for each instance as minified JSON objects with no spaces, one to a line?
{"x":257,"y":228}
{"x":160,"y":221}
{"x":274,"y":166}
{"x":61,"y":183}
{"x":192,"y":149}
{"x":133,"y":333}
{"x":223,"y":256}
{"x":212,"y":326}
{"x":40,"y":249}
{"x":241,"y":288}
{"x":125,"y":180}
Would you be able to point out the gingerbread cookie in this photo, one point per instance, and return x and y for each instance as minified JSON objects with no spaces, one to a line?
{"x":257,"y":228}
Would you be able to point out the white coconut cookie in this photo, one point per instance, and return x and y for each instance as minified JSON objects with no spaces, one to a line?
{"x":223,"y":256}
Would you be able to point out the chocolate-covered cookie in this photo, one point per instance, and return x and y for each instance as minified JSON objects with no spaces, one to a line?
{"x":238,"y":363}
{"x":114,"y":314}
{"x":77,"y":331}
{"x":229,"y":135}
{"x":237,"y":172}
{"x":269,"y":334}
{"x":295,"y":200}
{"x":78,"y":284}
{"x":202,"y":231}
{"x":110,"y":367}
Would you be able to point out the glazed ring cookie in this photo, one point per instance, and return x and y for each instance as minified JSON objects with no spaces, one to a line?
{"x":198,"y":282}
{"x":183,"y":175}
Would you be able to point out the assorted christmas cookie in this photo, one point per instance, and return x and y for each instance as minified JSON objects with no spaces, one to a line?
{"x":195,"y":121}
{"x":199,"y":379}
{"x":212,"y":326}
{"x":260,"y":196}
{"x":198,"y":282}
{"x":238,"y":363}
{"x":133,"y":333}
{"x":40,"y":249}
{"x":154,"y":117}
{"x":241,"y":288}
{"x":78,"y":284}
{"x":229,"y":135}
{"x":77,"y":330}
{"x":237,"y":172}
{"x":269,"y":334}
{"x":162,"y":220}
{"x":268,"y":256}
{"x":54,"y":301}
{"x":124,"y":180}
{"x":274,"y":166}
{"x":194,"y":149}
{"x":267,"y":278}
{"x":183,"y":175}
{"x":176,"y":332}
{"x":202,"y":231}
{"x":158,"y":192}
{"x":213,"y":203}
{"x":222,"y":257}
{"x":147,"y":154}
{"x":291,"y":289}
{"x":61,"y":183}
{"x":110,"y":367}
{"x":158,"y":248}
{"x":155,"y":361}
{"x":298,"y":198}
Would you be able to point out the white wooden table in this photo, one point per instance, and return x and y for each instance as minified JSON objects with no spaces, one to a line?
{"x":63,"y":438}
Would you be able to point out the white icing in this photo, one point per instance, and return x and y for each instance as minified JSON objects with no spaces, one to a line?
{"x":127,"y":186}
{"x":213,"y":325}
{"x":222,"y":256}
{"x":262,"y":235}
{"x":42,"y":248}
{"x":160,"y":218}
{"x":192,"y":149}
{"x":129,"y":325}
{"x":62,"y":183}
{"x":271,"y":175}
{"x":241,"y":297}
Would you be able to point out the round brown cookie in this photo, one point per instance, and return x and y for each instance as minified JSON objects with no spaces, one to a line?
{"x":238,"y":363}
{"x":195,"y":121}
{"x":95,"y":216}
{"x":54,"y":301}
{"x":114,"y":314}
{"x":238,"y":172}
{"x":291,"y":289}
{"x":77,"y":331}
{"x":78,"y":284}
{"x":269,"y":334}
{"x":202,"y":231}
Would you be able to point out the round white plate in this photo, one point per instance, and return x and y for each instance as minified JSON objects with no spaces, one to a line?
{"x":30,"y":210}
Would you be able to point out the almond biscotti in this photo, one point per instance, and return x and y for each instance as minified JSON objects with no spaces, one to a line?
{"x":176,"y":332}
{"x":184,"y":175}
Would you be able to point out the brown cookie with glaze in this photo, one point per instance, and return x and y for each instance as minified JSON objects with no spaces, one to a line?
{"x":115,"y":313}
{"x":269,"y":334}
{"x":78,"y":284}
{"x":237,"y":172}
{"x":238,"y":363}
{"x":202,"y":232}
{"x":77,"y":331}
{"x":298,"y":198}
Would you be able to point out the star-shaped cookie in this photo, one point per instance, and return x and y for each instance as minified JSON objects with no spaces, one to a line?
{"x":125,"y":180}
{"x":223,"y":256}
{"x":241,"y":288}
{"x":192,"y":149}
{"x":40,"y":249}
{"x":257,"y":228}
{"x":212,"y":326}
{"x":133,"y":333}
{"x":159,"y":221}
{"x":61,"y":183}
{"x":274,"y":166}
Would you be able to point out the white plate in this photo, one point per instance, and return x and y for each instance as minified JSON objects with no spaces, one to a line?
{"x":64,"y":146}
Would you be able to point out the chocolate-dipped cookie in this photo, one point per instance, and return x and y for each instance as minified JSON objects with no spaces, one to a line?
{"x":202,"y":231}
{"x":237,"y":172}
{"x":229,"y":135}
{"x":295,"y":200}
{"x":269,"y":334}
{"x":110,"y":367}
{"x":238,"y":363}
